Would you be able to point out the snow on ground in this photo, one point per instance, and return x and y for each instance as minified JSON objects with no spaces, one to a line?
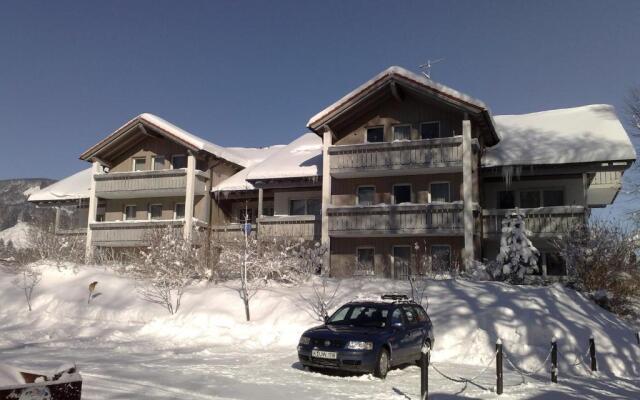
{"x":17,"y":234}
{"x":127,"y":348}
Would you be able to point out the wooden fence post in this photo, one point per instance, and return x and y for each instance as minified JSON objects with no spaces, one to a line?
{"x":592,"y":352}
{"x":554,"y":360}
{"x":499,"y":366}
{"x":424,"y":372}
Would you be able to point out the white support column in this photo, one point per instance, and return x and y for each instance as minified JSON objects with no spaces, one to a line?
{"x":467,"y":192}
{"x":260,"y":203}
{"x":189,"y":200}
{"x":327,"y":141}
{"x":93,"y":209}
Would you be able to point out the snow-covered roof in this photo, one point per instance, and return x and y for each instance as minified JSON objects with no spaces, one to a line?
{"x":402,"y":73}
{"x":591,"y":133}
{"x":301,"y":158}
{"x":76,"y":186}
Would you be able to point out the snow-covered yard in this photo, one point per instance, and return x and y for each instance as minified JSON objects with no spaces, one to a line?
{"x":126,"y":348}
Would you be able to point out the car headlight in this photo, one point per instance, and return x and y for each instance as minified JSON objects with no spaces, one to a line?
{"x":305,"y":340}
{"x":357,"y":345}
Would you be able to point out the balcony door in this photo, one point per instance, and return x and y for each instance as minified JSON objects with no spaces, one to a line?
{"x":401,"y":259}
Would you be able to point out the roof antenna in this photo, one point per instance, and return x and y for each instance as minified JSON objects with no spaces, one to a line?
{"x":426,"y":67}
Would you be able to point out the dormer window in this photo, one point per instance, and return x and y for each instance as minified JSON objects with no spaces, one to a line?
{"x":139,"y":164}
{"x":402,"y":132}
{"x":158,"y":163}
{"x":430,"y":130}
{"x":375,"y":135}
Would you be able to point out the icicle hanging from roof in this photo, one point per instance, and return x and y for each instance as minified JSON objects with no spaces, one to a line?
{"x":509,"y":171}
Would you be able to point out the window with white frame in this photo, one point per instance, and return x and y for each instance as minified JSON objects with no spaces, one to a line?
{"x":365,"y":195}
{"x":375,"y":135}
{"x":158,"y":163}
{"x":402,"y":132}
{"x":139,"y":164}
{"x":401,"y":193}
{"x":178,"y":161}
{"x":155,"y":211}
{"x":401,"y":259}
{"x":365,"y":261}
{"x":178,"y":211}
{"x":440,"y":192}
{"x":430,"y":130}
{"x":441,"y":257}
{"x":129,"y":212}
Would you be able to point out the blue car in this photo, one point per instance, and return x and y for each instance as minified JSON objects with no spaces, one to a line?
{"x":369,"y":336}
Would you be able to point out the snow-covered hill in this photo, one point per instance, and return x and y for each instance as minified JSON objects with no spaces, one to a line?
{"x":468,"y":318}
{"x":17,"y":234}
{"x":13,"y":202}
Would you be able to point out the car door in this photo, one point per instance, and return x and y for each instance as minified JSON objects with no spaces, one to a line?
{"x":400,"y":338}
{"x":414,"y":333}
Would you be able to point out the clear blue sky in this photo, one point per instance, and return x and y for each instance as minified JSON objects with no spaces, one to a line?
{"x":252,"y":73}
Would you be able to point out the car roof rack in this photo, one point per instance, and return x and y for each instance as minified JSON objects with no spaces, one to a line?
{"x":395,"y":297}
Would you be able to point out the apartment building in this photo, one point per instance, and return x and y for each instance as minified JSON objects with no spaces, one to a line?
{"x":398,"y":162}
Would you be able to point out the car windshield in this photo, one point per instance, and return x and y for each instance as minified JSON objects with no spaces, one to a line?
{"x":360,"y":315}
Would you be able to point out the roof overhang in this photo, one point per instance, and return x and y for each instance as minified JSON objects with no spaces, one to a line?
{"x":395,"y":81}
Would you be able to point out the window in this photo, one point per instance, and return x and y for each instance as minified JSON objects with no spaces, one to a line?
{"x":179,"y":161}
{"x":402,"y":132}
{"x":401,"y":257}
{"x":139,"y":164}
{"x":129,"y":213}
{"x":100,"y":217}
{"x":506,"y":199}
{"x":440,"y":192}
{"x":267,"y":211}
{"x":410,"y":314}
{"x":178,"y":211}
{"x":430,"y":130}
{"x":305,"y":207}
{"x":552,"y":198}
{"x":364,"y":261}
{"x":421,"y":313}
{"x":155,"y":211}
{"x":366,"y":195}
{"x":158,"y":163}
{"x":375,"y":135}
{"x":396,"y":317}
{"x":401,"y":194}
{"x":530,"y":199}
{"x":361,"y":316}
{"x":441,"y":257}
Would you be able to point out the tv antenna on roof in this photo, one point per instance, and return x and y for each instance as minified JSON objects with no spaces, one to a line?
{"x":426,"y":67}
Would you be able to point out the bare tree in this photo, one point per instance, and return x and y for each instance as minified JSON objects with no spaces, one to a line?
{"x":321,"y":300}
{"x":633,"y":108}
{"x":27,"y":276}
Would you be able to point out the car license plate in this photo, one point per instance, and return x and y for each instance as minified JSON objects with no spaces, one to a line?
{"x":332,"y":355}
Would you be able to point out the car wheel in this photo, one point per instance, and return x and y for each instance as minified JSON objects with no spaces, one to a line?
{"x":382,"y":366}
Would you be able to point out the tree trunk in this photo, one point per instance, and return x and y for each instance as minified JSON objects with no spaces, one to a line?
{"x":246,"y":309}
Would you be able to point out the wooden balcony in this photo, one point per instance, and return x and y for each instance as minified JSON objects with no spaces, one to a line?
{"x":541,"y":221}
{"x":397,"y":220}
{"x":397,"y":158}
{"x":305,"y":227}
{"x":130,"y":233}
{"x":230,"y":232}
{"x":138,"y":184}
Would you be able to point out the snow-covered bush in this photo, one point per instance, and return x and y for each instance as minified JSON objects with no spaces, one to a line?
{"x":46,"y":245}
{"x":518,"y":257}
{"x":424,"y":263}
{"x":20,"y":264}
{"x":602,"y":261}
{"x":167,"y":267}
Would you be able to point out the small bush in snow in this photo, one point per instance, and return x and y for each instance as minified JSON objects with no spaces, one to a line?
{"x":27,"y":276}
{"x":518,"y":257}
{"x":322,"y":298}
{"x":46,"y":245}
{"x":601,"y":261}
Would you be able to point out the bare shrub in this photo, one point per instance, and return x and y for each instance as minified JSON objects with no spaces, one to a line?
{"x":46,"y":245}
{"x":27,"y":276}
{"x":322,"y":298}
{"x":433,"y":266}
{"x":601,"y":261}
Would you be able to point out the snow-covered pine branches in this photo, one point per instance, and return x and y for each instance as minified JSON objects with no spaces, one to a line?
{"x":518,"y":257}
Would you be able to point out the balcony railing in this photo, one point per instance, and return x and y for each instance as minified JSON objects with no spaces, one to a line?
{"x":130,"y":233}
{"x":541,"y":221}
{"x":411,"y":156}
{"x":138,"y":184}
{"x":306,"y":227}
{"x":390,"y":220}
{"x":230,"y":232}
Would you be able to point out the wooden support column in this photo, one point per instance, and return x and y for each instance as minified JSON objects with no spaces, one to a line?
{"x":189,"y":200}
{"x":56,"y":225}
{"x":93,"y":209}
{"x":467,"y":192}
{"x":327,"y":141}
{"x":260,"y":205}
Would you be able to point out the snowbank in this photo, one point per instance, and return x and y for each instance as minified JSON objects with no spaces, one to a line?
{"x":17,"y":234}
{"x":10,"y":376}
{"x":468,"y":318}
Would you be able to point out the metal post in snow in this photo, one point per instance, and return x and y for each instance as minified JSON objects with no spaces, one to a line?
{"x":424,"y":372}
{"x":592,"y":353}
{"x":554,"y":360}
{"x":638,"y":337}
{"x":499,"y":366}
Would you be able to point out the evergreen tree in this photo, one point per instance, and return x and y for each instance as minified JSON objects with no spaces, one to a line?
{"x":518,"y":257}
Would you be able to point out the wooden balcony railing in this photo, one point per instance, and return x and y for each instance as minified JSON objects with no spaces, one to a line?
{"x":230,"y":232}
{"x":541,"y":221}
{"x":399,"y":157}
{"x":147,"y":183}
{"x":306,"y":227}
{"x":130,"y":233}
{"x":388,"y":220}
